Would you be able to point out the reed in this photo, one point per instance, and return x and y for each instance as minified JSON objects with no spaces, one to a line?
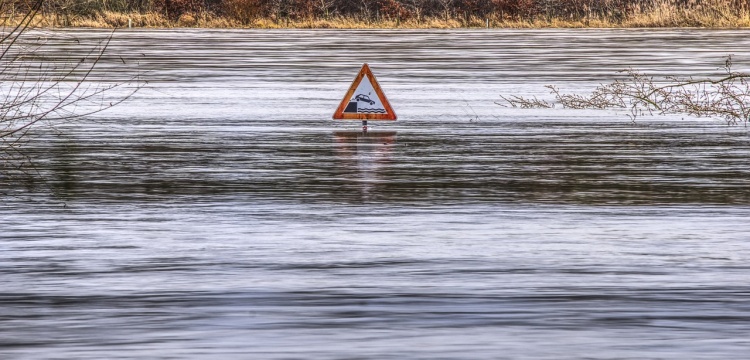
{"x":693,"y":13}
{"x":340,"y":14}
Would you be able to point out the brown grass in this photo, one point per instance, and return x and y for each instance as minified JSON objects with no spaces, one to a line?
{"x":708,"y":14}
{"x":661,"y":14}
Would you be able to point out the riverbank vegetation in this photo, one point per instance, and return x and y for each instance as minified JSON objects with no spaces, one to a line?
{"x":725,"y":97}
{"x":43,"y":86}
{"x":383,"y":13}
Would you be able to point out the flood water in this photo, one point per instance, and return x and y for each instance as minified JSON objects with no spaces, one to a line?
{"x":221,"y":213}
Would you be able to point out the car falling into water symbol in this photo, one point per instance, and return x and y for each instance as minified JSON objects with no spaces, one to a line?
{"x":364,"y":98}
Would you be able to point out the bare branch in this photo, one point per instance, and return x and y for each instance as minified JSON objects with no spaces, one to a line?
{"x":727,"y":97}
{"x":40,"y":89}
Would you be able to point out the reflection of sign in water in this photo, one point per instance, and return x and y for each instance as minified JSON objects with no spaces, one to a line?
{"x":366,"y":154}
{"x":365,"y":100}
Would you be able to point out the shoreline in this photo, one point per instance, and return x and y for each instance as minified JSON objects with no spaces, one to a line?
{"x":113,"y":20}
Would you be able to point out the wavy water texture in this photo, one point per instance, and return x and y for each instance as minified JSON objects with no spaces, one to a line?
{"x":221,"y":213}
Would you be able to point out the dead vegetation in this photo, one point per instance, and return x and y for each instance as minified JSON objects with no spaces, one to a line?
{"x":41,"y":88}
{"x":386,"y":13}
{"x":726,"y":97}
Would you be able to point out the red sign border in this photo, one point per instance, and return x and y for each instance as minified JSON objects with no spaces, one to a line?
{"x":389,"y":113}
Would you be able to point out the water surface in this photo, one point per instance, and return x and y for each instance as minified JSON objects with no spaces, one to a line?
{"x":221,"y":213}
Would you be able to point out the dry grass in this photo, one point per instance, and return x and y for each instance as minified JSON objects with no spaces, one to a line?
{"x":707,"y":13}
{"x":660,"y":14}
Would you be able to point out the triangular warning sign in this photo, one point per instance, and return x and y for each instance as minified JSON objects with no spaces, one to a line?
{"x":365,"y":100}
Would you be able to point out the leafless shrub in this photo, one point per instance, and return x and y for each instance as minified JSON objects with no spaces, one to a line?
{"x":41,"y":89}
{"x":726,"y":97}
{"x":526,"y":103}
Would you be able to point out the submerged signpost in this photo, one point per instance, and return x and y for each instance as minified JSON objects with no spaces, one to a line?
{"x":364,"y":100}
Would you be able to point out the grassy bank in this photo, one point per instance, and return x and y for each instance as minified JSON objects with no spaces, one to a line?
{"x":272,"y":14}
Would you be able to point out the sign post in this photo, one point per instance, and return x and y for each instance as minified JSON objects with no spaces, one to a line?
{"x":364,"y":100}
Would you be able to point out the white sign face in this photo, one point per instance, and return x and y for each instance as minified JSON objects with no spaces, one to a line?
{"x":366,"y":99}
